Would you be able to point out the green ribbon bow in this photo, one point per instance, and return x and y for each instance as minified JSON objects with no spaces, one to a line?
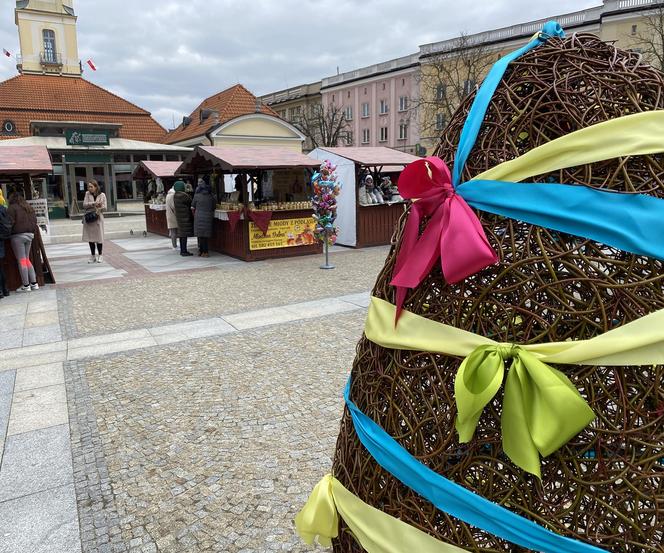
{"x":542,"y":410}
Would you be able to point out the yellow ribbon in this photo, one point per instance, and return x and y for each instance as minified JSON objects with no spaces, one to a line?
{"x":631,"y":135}
{"x":377,"y":532}
{"x":541,"y":408}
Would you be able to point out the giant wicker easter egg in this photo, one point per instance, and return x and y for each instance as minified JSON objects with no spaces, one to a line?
{"x":605,"y":485}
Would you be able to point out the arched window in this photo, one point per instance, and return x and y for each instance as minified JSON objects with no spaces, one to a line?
{"x":49,"y":45}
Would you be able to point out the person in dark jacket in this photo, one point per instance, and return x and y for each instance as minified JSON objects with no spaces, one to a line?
{"x":4,"y":217}
{"x":24,"y":224}
{"x":203,"y":206}
{"x":185,"y":219}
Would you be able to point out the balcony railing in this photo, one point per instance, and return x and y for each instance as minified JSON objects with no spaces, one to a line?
{"x":50,"y":58}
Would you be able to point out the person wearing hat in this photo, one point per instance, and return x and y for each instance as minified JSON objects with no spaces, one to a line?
{"x":171,"y":219}
{"x":203,"y":205}
{"x":183,"y":215}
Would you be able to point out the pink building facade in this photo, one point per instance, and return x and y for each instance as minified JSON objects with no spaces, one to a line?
{"x":378,"y":103}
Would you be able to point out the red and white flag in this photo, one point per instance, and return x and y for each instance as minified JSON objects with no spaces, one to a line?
{"x":92,"y":65}
{"x":7,"y":53}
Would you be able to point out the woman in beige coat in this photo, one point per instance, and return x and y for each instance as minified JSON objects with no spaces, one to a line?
{"x":93,"y":227}
{"x":171,"y":219}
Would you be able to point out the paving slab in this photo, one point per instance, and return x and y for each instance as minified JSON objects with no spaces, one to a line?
{"x":28,"y":378}
{"x":361,"y":300}
{"x":319,"y":308}
{"x":42,"y":305}
{"x":110,"y":338}
{"x":45,"y":522}
{"x":5,"y":409}
{"x":33,"y":359}
{"x":41,"y":318}
{"x":11,"y":339}
{"x":141,"y":244}
{"x":36,"y":461}
{"x":7,"y":379}
{"x":108,"y":348}
{"x":8,"y":309}
{"x":38,"y":408}
{"x":261,"y":317}
{"x":42,"y":335}
{"x":12,"y":322}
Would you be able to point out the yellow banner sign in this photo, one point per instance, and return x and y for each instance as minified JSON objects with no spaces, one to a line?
{"x":282,"y":233}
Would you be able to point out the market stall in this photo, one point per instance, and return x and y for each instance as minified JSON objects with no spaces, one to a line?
{"x":366,"y":216}
{"x":18,"y":164}
{"x":157,"y":178}
{"x":264,"y":208}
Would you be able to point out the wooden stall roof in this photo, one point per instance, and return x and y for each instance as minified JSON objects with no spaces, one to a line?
{"x":21,"y":160}
{"x":229,"y":158}
{"x":163,"y":169}
{"x":373,"y":157}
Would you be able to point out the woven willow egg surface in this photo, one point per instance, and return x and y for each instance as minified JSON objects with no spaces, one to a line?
{"x":606,"y":485}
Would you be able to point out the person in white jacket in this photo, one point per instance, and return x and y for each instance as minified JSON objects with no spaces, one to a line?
{"x":171,"y":220}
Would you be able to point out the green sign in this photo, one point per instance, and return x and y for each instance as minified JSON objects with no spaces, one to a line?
{"x":86,"y":137}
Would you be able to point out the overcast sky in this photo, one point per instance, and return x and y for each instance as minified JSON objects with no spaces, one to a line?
{"x":167,"y":55}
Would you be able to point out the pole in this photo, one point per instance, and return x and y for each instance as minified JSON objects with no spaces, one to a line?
{"x":327,"y":253}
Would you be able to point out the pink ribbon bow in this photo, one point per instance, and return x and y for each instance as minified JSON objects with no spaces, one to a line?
{"x":453,"y":233}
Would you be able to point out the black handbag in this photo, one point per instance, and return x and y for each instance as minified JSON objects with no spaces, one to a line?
{"x":90,"y":216}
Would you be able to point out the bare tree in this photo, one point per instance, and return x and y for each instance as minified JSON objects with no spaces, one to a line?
{"x":650,"y":40}
{"x":446,"y":78}
{"x":324,"y":125}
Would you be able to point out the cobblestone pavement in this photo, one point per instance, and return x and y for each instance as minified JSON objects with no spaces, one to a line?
{"x":212,"y":446}
{"x":140,"y":302}
{"x":118,"y":444}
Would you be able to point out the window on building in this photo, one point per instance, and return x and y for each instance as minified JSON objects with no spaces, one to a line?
{"x":441,"y":121}
{"x":633,"y":29}
{"x":384,"y":107}
{"x":122,"y":158}
{"x":348,"y":94}
{"x":403,"y":103}
{"x":348,"y":113}
{"x":365,"y":109}
{"x":49,"y":45}
{"x":282,"y":113}
{"x":468,"y":86}
{"x":333,"y":98}
{"x":173,"y":157}
{"x":403,"y":131}
{"x":403,"y":82}
{"x":349,"y":138}
{"x":295,"y":113}
{"x":156,"y":157}
{"x":383,"y":86}
{"x":383,"y":134}
{"x":441,"y":92}
{"x":365,"y":136}
{"x":365,"y":90}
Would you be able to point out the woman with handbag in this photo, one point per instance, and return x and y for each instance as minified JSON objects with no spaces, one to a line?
{"x":94,"y":205}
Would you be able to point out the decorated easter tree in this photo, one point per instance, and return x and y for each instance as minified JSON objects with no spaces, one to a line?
{"x":324,"y":201}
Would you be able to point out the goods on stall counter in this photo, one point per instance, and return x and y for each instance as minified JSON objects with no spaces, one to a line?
{"x":266,"y":206}
{"x":324,"y":202}
{"x":390,"y":190}
{"x":370,"y":194}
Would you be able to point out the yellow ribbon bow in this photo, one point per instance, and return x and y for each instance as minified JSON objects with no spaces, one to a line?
{"x":541,"y":408}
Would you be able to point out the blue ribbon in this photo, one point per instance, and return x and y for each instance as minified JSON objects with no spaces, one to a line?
{"x":630,"y":222}
{"x":452,"y":498}
{"x":471,"y":127}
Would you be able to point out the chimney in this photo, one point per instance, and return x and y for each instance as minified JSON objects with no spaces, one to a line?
{"x":258,"y":105}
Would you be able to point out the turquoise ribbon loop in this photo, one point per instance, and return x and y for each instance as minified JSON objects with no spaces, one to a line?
{"x":452,"y":498}
{"x":471,"y":127}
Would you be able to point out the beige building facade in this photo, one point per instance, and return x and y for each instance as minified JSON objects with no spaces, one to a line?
{"x":292,"y":103}
{"x":47,"y":34}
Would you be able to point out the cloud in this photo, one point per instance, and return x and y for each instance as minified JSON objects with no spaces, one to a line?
{"x":166,"y":55}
